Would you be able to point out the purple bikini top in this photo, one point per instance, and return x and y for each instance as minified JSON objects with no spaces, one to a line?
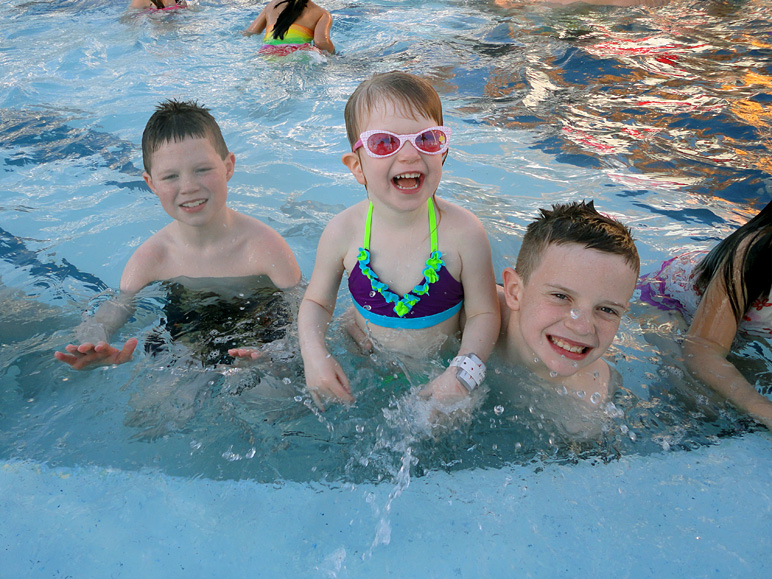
{"x":435,"y":299}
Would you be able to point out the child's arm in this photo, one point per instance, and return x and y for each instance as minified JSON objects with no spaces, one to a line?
{"x":94,"y":333}
{"x":259,"y":23}
{"x":283,"y":268}
{"x":324,"y":376}
{"x":707,"y":344}
{"x":322,"y":33}
{"x":481,"y":307}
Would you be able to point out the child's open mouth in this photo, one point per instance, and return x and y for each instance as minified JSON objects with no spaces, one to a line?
{"x":193,"y":204}
{"x":568,"y":348}
{"x":408,"y":181}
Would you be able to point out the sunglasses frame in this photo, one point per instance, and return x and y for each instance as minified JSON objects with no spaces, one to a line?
{"x":402,"y":140}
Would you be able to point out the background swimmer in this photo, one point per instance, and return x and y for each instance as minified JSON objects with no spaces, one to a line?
{"x":727,"y":292}
{"x":296,"y":24}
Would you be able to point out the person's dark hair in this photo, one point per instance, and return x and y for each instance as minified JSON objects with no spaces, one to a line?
{"x":576,"y":222}
{"x":412,"y":93}
{"x":742,"y":262}
{"x":291,"y":12}
{"x":175,"y":121}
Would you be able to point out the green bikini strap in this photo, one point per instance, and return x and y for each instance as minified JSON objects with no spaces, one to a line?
{"x":368,"y":223}
{"x":432,"y":225}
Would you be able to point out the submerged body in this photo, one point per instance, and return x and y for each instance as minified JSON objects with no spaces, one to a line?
{"x":312,"y":25}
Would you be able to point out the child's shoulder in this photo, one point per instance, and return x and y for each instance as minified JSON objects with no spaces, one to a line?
{"x":256,"y":234}
{"x":348,"y":219}
{"x":148,"y":260}
{"x":457,"y":215}
{"x":468,"y":232}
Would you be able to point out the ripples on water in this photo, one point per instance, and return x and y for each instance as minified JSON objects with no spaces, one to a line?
{"x":660,"y":113}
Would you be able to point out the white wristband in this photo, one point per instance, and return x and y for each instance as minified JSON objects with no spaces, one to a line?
{"x":471,"y":370}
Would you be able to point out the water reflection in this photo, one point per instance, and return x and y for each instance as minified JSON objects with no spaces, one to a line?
{"x":669,"y":97}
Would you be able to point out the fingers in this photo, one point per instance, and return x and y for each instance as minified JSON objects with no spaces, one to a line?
{"x":80,"y":356}
{"x":249,"y":353}
{"x":317,"y":399}
{"x":331,"y":387}
{"x":127,"y":351}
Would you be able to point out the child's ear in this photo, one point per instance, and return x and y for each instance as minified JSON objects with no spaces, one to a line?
{"x":230,"y":166}
{"x":149,"y":180}
{"x":513,"y":286}
{"x":352,"y":161}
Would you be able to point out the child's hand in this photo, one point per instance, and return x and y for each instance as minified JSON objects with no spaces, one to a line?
{"x":103,"y":354}
{"x":246,"y":354}
{"x":445,"y":388}
{"x":327,"y":381}
{"x":762,"y":412}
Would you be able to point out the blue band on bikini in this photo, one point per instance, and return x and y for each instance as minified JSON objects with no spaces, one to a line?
{"x":409,"y":323}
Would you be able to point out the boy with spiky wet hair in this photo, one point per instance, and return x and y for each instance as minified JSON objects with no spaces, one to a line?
{"x":187,"y":166}
{"x":562,"y":304}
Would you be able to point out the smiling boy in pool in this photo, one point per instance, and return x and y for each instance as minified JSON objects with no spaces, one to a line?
{"x":562,"y":304}
{"x":187,"y":166}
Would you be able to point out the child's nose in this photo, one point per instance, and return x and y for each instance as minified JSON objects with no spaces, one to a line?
{"x":408,"y":151}
{"x":579,"y":321}
{"x":188,"y":182}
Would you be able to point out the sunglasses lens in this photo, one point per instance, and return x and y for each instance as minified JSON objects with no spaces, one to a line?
{"x":431,"y":141}
{"x":382,"y":144}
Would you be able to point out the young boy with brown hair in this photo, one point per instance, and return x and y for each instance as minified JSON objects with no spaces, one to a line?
{"x":562,"y":304}
{"x":187,"y":166}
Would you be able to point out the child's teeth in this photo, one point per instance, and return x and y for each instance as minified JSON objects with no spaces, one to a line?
{"x":561,"y":344}
{"x":415,"y":176}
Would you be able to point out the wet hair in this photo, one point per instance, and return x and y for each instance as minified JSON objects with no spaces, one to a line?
{"x":160,"y":3}
{"x":742,"y":263}
{"x":411,"y":94}
{"x":291,"y":12}
{"x":576,"y":222}
{"x":174,"y":121}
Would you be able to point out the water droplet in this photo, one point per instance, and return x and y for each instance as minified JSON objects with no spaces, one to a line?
{"x":518,"y":446}
{"x":360,"y":428}
{"x":499,"y":410}
{"x":581,"y":394}
{"x":368,"y":307}
{"x":623,"y":429}
{"x":372,"y":294}
{"x":536,"y":360}
{"x":595,"y":398}
{"x":561,"y":390}
{"x":574,"y":314}
{"x":553,"y":374}
{"x":596,"y":375}
{"x":298,"y":399}
{"x":495,"y":447}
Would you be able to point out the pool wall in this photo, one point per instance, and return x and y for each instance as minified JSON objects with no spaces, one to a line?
{"x":673,"y":514}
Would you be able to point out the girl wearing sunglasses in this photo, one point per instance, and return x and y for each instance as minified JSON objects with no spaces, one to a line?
{"x":416,"y":264}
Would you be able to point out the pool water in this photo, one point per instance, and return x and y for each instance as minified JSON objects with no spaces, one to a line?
{"x":659,"y":113}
